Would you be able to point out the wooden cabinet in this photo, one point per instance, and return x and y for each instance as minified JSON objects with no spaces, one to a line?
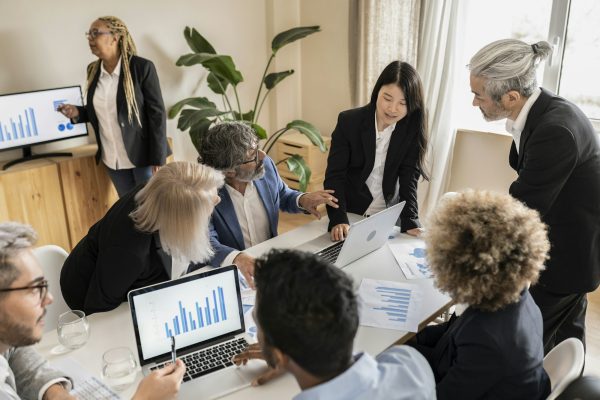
{"x":60,"y":197}
{"x":297,"y":143}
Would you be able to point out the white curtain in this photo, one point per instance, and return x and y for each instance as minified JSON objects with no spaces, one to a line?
{"x":439,"y":56}
{"x":381,"y":31}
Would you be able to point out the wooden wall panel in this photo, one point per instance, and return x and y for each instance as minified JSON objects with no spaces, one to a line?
{"x":33,"y":196}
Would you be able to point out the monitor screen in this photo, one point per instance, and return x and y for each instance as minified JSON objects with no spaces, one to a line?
{"x":31,"y":118}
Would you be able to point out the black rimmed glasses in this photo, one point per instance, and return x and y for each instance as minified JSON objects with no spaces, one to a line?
{"x":41,"y":288}
{"x":254,"y":160}
{"x":95,"y":33}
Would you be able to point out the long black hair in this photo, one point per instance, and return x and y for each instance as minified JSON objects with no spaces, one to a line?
{"x":407,"y":78}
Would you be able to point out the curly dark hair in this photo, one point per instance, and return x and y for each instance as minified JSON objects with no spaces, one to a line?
{"x":484,"y":248}
{"x":306,"y":308}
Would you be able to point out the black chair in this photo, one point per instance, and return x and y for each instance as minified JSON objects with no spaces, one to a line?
{"x":582,"y":388}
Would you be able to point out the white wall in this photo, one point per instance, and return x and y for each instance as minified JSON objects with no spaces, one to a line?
{"x":42,"y":45}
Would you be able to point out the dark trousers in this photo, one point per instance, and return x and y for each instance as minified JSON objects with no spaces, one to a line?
{"x":127,"y":179}
{"x":563,"y":314}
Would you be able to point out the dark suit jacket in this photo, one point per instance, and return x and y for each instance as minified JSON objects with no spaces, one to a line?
{"x":225,"y":232}
{"x":147,"y":144}
{"x":351,"y":159}
{"x":559,"y":175}
{"x":488,"y":355}
{"x":113,"y":258}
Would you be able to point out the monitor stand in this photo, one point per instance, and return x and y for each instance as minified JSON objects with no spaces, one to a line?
{"x":27,"y":156}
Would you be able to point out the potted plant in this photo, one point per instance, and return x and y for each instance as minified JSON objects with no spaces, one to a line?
{"x":197,"y":114}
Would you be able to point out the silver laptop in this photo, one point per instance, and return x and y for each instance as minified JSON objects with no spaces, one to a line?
{"x":364,"y":237}
{"x":204,"y":313}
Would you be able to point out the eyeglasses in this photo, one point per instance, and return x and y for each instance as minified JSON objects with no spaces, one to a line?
{"x":94,"y":34}
{"x":254,"y":160}
{"x":41,"y":288}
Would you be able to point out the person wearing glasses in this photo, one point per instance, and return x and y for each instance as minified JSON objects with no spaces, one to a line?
{"x":25,"y":374}
{"x":150,"y":235}
{"x":254,"y":193}
{"x":124,"y":106}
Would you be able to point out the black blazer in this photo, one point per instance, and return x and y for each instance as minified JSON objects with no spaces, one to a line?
{"x":147,"y":144}
{"x":488,"y":355}
{"x":559,"y":175}
{"x":112,"y":259}
{"x":351,"y":159}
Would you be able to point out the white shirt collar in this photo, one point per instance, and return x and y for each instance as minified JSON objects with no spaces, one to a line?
{"x":516,"y":126}
{"x":116,"y":72}
{"x":387,"y":130}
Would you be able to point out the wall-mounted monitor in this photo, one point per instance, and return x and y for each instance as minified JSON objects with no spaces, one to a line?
{"x":30,"y":118}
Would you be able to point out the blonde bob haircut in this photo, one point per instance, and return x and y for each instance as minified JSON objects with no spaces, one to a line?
{"x":485,"y":248}
{"x":178,"y":202}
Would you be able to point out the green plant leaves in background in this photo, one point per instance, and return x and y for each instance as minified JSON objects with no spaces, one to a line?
{"x":297,"y":165}
{"x":216,"y":84}
{"x":220,"y":65}
{"x":275,"y":77}
{"x":197,"y":42}
{"x":198,"y":130}
{"x":243,"y":117}
{"x":189,"y":118}
{"x":196,"y":102}
{"x":260,"y":131}
{"x":310,"y":131}
{"x":291,"y":35}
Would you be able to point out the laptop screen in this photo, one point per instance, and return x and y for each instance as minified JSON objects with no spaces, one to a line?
{"x":196,"y":309}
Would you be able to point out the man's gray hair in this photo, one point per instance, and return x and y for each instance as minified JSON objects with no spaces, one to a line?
{"x":14,"y":238}
{"x":225,"y":145}
{"x":509,"y":64}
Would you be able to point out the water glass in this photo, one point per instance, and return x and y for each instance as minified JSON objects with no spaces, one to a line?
{"x":73,"y":329}
{"x":119,"y":368}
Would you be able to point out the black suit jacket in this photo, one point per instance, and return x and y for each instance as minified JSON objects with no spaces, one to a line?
{"x":147,"y":144}
{"x":559,"y":175}
{"x":112,"y":259}
{"x":488,"y":355}
{"x":351,"y":159}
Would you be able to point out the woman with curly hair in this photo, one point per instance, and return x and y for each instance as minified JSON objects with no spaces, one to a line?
{"x":485,"y":249}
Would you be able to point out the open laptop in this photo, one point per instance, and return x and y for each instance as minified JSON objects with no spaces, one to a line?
{"x":364,"y":237}
{"x":204,"y":313}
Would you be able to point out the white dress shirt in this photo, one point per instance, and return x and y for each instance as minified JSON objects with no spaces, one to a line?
{"x":516,"y":127}
{"x":114,"y":154}
{"x":375,"y":180}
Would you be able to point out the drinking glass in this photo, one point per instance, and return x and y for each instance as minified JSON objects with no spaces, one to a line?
{"x":119,"y":368}
{"x":73,"y":329}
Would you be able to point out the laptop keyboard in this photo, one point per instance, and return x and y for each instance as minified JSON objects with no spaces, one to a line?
{"x":209,"y":360}
{"x":332,"y":252}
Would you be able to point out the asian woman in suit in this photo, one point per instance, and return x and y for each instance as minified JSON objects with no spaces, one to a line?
{"x":377,"y":152}
{"x":484,"y":250}
{"x":124,"y":105}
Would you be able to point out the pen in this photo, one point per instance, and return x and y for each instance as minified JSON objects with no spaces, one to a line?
{"x":173,"y":354}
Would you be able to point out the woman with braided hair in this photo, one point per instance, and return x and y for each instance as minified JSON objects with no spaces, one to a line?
{"x":124,"y":105}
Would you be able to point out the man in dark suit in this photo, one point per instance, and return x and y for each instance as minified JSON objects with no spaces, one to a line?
{"x":252,"y":196}
{"x":557,"y":158}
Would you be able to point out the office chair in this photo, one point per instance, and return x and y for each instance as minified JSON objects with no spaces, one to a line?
{"x":564,"y":364}
{"x":52,"y":258}
{"x":582,"y":388}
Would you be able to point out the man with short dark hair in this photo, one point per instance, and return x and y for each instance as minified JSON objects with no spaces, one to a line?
{"x":306,"y":313}
{"x":24,"y":296}
{"x":252,"y":196}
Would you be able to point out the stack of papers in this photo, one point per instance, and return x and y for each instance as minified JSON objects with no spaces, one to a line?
{"x":411,"y":260}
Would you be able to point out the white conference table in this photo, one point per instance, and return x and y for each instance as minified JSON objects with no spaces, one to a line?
{"x":114,"y":328}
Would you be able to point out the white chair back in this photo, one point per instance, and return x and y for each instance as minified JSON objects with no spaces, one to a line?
{"x":52,"y":258}
{"x":564,"y":364}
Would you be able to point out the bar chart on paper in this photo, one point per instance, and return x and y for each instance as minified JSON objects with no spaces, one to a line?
{"x":391,"y":305}
{"x":411,"y":260}
{"x":203,"y":313}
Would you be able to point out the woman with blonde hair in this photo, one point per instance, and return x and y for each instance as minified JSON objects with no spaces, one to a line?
{"x":124,"y":105}
{"x":485,"y":249}
{"x":150,"y":235}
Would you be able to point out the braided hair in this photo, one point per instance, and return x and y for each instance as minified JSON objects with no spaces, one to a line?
{"x":127,"y":49}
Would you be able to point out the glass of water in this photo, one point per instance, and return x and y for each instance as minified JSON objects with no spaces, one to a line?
{"x":119,"y":368}
{"x":73,"y":329}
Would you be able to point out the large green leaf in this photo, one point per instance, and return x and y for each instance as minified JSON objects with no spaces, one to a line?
{"x":243,"y":117}
{"x":298,"y":167}
{"x":275,"y":77}
{"x":260,"y":131}
{"x":220,"y":65}
{"x":310,"y":131}
{"x":198,"y":130}
{"x":197,"y":42}
{"x":216,"y":84}
{"x":196,"y":102}
{"x":292,"y":35}
{"x":189,"y":118}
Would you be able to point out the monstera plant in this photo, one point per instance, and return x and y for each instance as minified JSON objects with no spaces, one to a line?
{"x":197,"y":114}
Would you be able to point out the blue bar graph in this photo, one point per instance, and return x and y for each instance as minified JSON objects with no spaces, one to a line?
{"x":185,"y":321}
{"x":398,"y":299}
{"x":21,"y":126}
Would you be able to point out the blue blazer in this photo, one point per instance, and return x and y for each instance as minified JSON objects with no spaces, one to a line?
{"x":225,"y":232}
{"x":488,"y":355}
